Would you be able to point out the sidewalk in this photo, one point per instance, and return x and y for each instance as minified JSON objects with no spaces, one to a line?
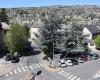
{"x":46,"y":64}
{"x":5,"y":67}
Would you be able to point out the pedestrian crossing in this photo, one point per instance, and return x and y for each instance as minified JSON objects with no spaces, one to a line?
{"x":23,"y":69}
{"x":68,"y":75}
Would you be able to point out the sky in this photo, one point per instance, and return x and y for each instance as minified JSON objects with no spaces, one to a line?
{"x":37,"y":3}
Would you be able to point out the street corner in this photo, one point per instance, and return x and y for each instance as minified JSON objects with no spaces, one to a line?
{"x":4,"y":69}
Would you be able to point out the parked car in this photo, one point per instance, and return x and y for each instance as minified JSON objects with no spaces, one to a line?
{"x":15,"y":60}
{"x":62,"y":63}
{"x":69,"y":62}
{"x":80,"y":60}
{"x":84,"y":57}
{"x":74,"y":61}
{"x":93,"y":56}
{"x":8,"y":57}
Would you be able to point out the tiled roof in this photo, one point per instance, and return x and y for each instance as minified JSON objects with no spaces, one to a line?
{"x":93,"y":29}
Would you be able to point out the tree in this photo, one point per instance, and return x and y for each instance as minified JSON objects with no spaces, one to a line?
{"x":3,"y":16}
{"x":97,"y":41}
{"x":48,"y":33}
{"x":16,"y":38}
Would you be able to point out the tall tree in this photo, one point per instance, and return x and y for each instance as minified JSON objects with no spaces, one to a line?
{"x":3,"y":16}
{"x":16,"y":38}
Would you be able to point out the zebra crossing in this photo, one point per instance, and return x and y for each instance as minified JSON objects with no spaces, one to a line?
{"x":68,"y":75}
{"x":23,"y":69}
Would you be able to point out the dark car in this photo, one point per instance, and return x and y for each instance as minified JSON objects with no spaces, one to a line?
{"x":15,"y":60}
{"x":93,"y":55}
{"x":8,"y":57}
{"x":74,"y":61}
{"x":84,"y":57}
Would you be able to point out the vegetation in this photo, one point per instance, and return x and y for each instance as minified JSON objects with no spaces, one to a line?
{"x":97,"y":41}
{"x":3,"y":16}
{"x":16,"y":38}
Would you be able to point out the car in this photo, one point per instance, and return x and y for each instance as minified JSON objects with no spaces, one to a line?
{"x":69,"y":62}
{"x":62,"y":63}
{"x":93,"y":56}
{"x":15,"y":60}
{"x":74,"y":61}
{"x":80,"y":60}
{"x":8,"y":57}
{"x":84,"y":58}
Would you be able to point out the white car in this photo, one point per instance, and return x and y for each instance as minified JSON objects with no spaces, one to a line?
{"x":62,"y":63}
{"x":69,"y":62}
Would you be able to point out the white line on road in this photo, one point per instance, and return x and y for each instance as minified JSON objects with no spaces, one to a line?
{"x":61,"y":72}
{"x":67,"y":75}
{"x":11,"y":73}
{"x":37,"y":65}
{"x":6,"y":75}
{"x":15,"y":71}
{"x":19,"y":70}
{"x":74,"y":78}
{"x":40,"y":64}
{"x":23,"y":68}
{"x":78,"y":79}
{"x":26,"y":67}
{"x":31,"y":67}
{"x":70,"y":76}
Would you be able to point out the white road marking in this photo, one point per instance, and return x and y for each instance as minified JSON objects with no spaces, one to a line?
{"x":19,"y":70}
{"x":37,"y":65}
{"x":6,"y":75}
{"x":67,"y":75}
{"x":15,"y":71}
{"x":74,"y":78}
{"x":23,"y":68}
{"x":70,"y":76}
{"x":78,"y":79}
{"x":61,"y":72}
{"x":26,"y":67}
{"x":31,"y":67}
{"x":11,"y":73}
{"x":40,"y":64}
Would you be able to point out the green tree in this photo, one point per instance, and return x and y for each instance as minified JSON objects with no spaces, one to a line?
{"x":16,"y":38}
{"x":3,"y":16}
{"x":48,"y":34}
{"x":97,"y":41}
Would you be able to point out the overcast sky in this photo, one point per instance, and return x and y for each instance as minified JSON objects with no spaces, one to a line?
{"x":36,"y":3}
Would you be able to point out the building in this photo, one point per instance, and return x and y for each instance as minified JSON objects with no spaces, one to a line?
{"x":3,"y":29}
{"x":91,"y":31}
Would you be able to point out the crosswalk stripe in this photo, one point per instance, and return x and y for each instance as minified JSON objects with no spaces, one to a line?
{"x":61,"y":72}
{"x":37,"y":65}
{"x":40,"y":64}
{"x":67,"y":75}
{"x":15,"y":71}
{"x":78,"y":79}
{"x":6,"y":75}
{"x":23,"y":68}
{"x":31,"y":67}
{"x":11,"y":73}
{"x":74,"y":78}
{"x":19,"y":70}
{"x":70,"y":76}
{"x":26,"y":67}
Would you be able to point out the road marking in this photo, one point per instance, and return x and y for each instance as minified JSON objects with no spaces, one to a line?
{"x":15,"y":71}
{"x":23,"y":68}
{"x":40,"y":64}
{"x":67,"y":75}
{"x":26,"y":67}
{"x":78,"y":79}
{"x":6,"y":75}
{"x":70,"y":76}
{"x":11,"y":73}
{"x":37,"y":65}
{"x":31,"y":67}
{"x":61,"y":72}
{"x":74,"y":78}
{"x":19,"y":70}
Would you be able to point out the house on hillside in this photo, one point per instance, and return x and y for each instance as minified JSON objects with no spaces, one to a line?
{"x":91,"y":31}
{"x":3,"y":29}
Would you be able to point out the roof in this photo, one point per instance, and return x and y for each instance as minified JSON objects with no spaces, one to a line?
{"x":93,"y":29}
{"x":5,"y":26}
